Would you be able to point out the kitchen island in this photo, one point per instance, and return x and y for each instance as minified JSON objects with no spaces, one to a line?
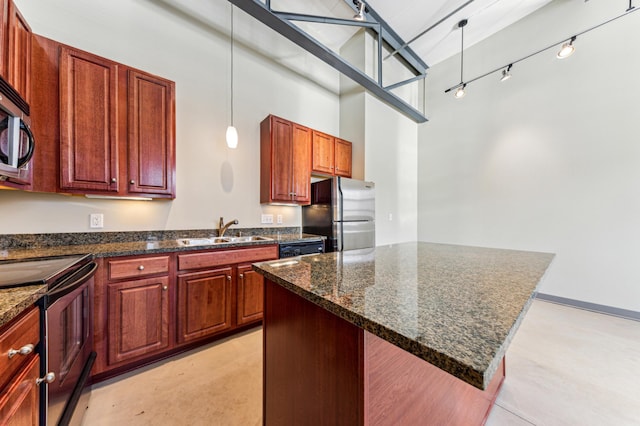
{"x":413,"y":333}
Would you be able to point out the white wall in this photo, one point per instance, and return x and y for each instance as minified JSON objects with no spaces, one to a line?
{"x":187,"y":43}
{"x":547,"y":161}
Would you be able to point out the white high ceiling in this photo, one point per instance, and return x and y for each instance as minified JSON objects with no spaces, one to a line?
{"x":411,"y":17}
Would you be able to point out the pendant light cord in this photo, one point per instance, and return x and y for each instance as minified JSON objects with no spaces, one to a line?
{"x":462,"y":54}
{"x":232,"y":65}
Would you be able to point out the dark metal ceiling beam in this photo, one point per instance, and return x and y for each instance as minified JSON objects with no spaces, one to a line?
{"x":259,"y":11}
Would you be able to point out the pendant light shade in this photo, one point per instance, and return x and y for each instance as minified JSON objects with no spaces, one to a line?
{"x":232,"y":133}
{"x":460,"y":92}
{"x":232,"y":137}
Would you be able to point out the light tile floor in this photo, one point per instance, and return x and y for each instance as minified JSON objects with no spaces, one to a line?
{"x":565,"y":367}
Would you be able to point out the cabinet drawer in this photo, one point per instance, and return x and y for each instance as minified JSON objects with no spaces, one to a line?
{"x":226,"y":257}
{"x":23,"y":332}
{"x":140,"y":267}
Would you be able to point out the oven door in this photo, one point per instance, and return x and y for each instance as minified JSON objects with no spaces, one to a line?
{"x":69,"y":343}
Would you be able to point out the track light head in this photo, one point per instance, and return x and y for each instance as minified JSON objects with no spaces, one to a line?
{"x":460,"y":91}
{"x":360,"y":15}
{"x":506,"y":73}
{"x":567,"y":49}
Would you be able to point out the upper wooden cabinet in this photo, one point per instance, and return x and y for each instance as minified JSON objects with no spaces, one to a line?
{"x":343,"y":158}
{"x":19,"y":53}
{"x":102,"y":127}
{"x":331,"y":155}
{"x":88,"y":122}
{"x":285,"y":161}
{"x":323,"y":149}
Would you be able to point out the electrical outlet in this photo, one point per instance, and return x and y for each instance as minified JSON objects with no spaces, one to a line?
{"x":267,"y":218}
{"x":96,"y":220}
{"x":279,"y":218}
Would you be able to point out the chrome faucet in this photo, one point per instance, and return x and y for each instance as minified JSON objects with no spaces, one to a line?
{"x":223,"y":227}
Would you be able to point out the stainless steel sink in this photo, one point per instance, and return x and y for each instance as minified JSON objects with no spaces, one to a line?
{"x":248,"y":239}
{"x":220,"y":240}
{"x":201,"y":241}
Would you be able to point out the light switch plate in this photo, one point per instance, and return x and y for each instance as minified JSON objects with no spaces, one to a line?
{"x":267,"y":218}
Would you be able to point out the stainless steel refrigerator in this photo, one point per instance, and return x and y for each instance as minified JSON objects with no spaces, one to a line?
{"x":343,"y":210}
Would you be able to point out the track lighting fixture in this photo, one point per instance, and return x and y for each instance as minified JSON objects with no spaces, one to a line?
{"x":506,"y":73}
{"x":567,"y":49}
{"x":360,"y":15}
{"x":460,"y":92}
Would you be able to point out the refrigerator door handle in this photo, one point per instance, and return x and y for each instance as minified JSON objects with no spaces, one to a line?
{"x":340,"y":225}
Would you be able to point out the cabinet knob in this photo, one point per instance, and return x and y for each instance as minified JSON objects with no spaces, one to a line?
{"x":49,"y":378}
{"x":25,"y":350}
{"x":141,"y":268}
{"x":228,"y":277}
{"x":165,"y":288}
{"x":132,"y":182}
{"x":242,"y":276}
{"x":114,"y":180}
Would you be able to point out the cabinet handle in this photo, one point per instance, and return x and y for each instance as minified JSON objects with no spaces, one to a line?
{"x":25,"y":350}
{"x":242,"y":276}
{"x":132,"y":182}
{"x":165,"y":288}
{"x":141,"y":268}
{"x":113,"y":180}
{"x":49,"y":378}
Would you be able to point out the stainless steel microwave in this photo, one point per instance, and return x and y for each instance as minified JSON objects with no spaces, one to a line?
{"x":16,"y":139}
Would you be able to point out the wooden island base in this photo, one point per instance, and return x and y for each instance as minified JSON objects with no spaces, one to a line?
{"x":322,"y":370}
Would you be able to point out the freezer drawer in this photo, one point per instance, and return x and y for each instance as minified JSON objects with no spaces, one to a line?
{"x":355,"y":235}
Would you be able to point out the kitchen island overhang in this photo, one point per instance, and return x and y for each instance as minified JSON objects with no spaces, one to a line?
{"x":456,"y":307}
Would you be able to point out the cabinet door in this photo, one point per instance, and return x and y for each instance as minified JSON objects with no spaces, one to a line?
{"x":88,"y":122}
{"x":204,"y":304}
{"x":301,"y":167}
{"x":250,"y":296}
{"x":151,"y":139}
{"x":138,"y":318}
{"x":19,"y":52}
{"x":19,"y":405}
{"x":343,"y":158}
{"x":281,"y":160}
{"x":323,"y":153}
{"x":4,"y":34}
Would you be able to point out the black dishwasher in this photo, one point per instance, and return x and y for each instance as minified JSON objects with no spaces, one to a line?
{"x":298,"y":248}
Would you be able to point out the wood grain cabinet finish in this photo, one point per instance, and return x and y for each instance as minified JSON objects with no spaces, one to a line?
{"x":343,"y":156}
{"x":19,"y":52}
{"x":151,"y":140}
{"x":88,"y":122}
{"x":285,"y":162}
{"x":138,"y":318}
{"x":323,"y":153}
{"x":19,"y":403}
{"x":19,"y":394}
{"x":204,"y":304}
{"x":137,"y":267}
{"x":249,"y":295}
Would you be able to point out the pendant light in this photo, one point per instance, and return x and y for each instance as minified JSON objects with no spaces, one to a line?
{"x":460,"y":92}
{"x":506,"y":73}
{"x":232,"y":133}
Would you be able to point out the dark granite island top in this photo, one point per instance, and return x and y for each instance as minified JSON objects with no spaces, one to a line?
{"x":457,"y":307}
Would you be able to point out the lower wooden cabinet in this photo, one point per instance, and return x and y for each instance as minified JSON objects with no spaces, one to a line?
{"x":19,"y":404}
{"x":147,"y":307}
{"x":204,"y":304}
{"x":19,"y":370}
{"x":138,"y":318}
{"x":250,"y":286}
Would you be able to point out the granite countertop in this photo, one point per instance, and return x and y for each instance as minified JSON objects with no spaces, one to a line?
{"x":15,"y":300}
{"x":128,"y":248}
{"x":457,"y":307}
